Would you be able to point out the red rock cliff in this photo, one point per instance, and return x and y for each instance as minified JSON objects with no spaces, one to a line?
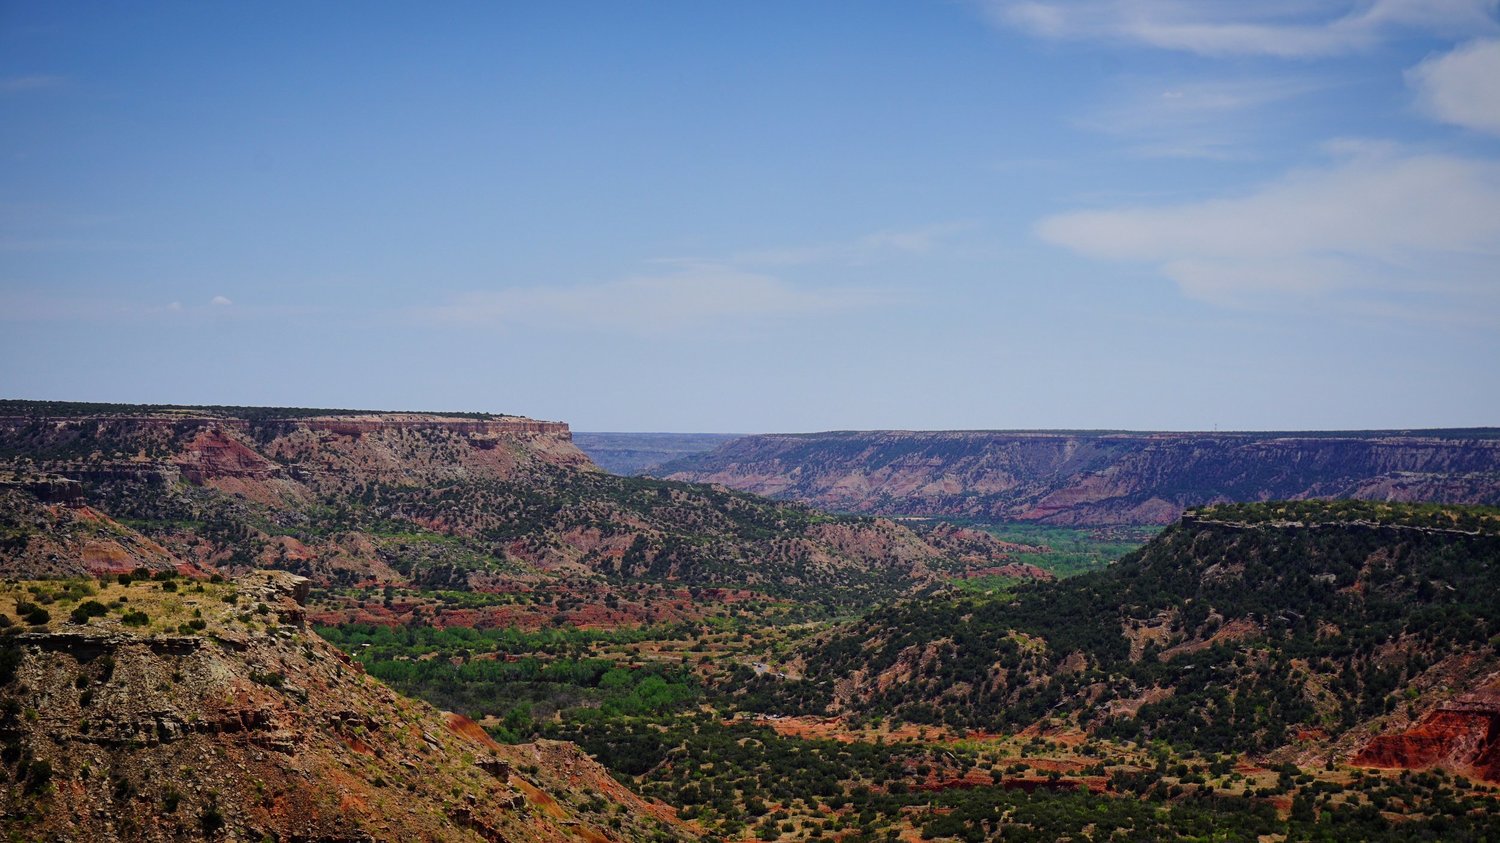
{"x":1463,"y":734}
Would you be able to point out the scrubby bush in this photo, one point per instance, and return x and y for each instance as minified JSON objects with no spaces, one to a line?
{"x":88,"y":609}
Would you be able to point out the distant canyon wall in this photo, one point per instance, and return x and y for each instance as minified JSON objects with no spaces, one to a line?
{"x":270,"y":458}
{"x":1089,"y":479}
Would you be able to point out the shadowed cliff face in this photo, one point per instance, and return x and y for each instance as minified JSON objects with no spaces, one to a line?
{"x":1097,"y":479}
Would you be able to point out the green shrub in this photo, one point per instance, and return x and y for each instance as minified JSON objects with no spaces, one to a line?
{"x":211,"y":820}
{"x":270,"y":680}
{"x":88,"y":609}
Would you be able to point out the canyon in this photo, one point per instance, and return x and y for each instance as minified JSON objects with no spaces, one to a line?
{"x":202,"y":608}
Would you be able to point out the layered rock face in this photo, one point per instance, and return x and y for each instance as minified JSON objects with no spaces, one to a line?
{"x":220,"y":716}
{"x":209,"y":489}
{"x":1097,"y":478}
{"x":271,"y":456}
{"x":1463,"y":734}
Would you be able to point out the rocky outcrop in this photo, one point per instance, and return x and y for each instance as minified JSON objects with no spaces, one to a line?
{"x":1071,"y":478}
{"x":1462,"y":734}
{"x":46,"y":488}
{"x":251,"y":728}
{"x":213,"y":454}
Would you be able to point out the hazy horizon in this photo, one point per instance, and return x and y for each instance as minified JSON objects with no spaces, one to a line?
{"x":782,"y":217}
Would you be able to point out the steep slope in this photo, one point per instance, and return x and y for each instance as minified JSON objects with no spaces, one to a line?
{"x":438,"y":501}
{"x":1097,"y":478}
{"x":1294,"y":628}
{"x":174,"y":709}
{"x":47,"y":531}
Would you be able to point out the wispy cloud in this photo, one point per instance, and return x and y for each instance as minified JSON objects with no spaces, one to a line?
{"x":1233,"y":27}
{"x":1214,"y":119}
{"x":692,"y":297}
{"x":28,"y":83}
{"x":1462,"y":87}
{"x":1376,"y":222}
{"x":104,"y":307}
{"x":869,"y":248}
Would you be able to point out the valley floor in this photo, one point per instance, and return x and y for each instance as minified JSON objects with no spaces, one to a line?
{"x":678,"y":711}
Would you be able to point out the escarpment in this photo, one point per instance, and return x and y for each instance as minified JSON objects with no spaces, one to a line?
{"x":1098,"y":478}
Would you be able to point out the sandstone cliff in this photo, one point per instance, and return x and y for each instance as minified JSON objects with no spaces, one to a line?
{"x":1101,"y":478}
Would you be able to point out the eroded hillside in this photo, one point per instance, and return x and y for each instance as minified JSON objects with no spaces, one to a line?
{"x":435,"y":501}
{"x":1351,"y":632}
{"x":172,"y":709}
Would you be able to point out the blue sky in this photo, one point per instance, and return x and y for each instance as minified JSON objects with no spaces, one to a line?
{"x":767,"y":216}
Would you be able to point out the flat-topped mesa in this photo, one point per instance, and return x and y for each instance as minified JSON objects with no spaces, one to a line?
{"x":349,"y":425}
{"x":277,"y":456}
{"x":507,"y":426}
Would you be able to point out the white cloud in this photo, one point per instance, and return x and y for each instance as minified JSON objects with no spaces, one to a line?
{"x":221,"y":301}
{"x":1376,"y":223}
{"x":696,"y":296}
{"x":1234,"y":27}
{"x":1462,"y":87}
